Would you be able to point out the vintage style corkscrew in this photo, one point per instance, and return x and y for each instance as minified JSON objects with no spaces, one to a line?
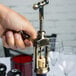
{"x":41,"y":43}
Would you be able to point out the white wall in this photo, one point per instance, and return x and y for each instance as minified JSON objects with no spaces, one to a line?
{"x":60,"y":17}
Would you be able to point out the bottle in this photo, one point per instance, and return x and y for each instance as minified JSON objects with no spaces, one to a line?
{"x":3,"y":69}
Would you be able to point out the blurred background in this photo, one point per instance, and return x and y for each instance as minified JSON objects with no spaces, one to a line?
{"x":59,"y":18}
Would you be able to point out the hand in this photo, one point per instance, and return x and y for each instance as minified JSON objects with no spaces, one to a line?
{"x":11,"y":21}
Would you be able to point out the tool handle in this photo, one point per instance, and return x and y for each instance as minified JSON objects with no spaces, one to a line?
{"x":24,"y":35}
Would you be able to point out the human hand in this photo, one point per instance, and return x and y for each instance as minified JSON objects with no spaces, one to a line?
{"x":11,"y":21}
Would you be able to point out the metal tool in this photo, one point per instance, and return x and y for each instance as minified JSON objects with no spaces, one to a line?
{"x":41,"y":60}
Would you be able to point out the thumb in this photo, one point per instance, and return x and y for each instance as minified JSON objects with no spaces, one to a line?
{"x":29,"y":30}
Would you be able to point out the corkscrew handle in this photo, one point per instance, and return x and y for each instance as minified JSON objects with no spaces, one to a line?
{"x":24,"y":35}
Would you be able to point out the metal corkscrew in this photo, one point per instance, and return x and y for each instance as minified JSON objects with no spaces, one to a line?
{"x":41,"y":43}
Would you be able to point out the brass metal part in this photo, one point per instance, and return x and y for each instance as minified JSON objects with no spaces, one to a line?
{"x":42,"y":70}
{"x":41,"y":62}
{"x":42,"y":3}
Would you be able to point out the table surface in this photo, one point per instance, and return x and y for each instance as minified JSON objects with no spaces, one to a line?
{"x":58,"y":68}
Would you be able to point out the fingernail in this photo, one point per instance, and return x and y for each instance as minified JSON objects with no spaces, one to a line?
{"x":9,"y":34}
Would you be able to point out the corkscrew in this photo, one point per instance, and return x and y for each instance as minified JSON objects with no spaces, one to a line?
{"x":41,"y":43}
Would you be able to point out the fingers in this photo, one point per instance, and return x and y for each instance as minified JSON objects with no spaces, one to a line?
{"x":4,"y":42}
{"x":15,"y":41}
{"x":10,"y":39}
{"x":18,"y":41}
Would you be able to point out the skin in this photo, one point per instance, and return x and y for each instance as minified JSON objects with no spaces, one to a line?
{"x":12,"y":21}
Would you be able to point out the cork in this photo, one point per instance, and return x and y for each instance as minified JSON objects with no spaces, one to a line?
{"x":41,"y":62}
